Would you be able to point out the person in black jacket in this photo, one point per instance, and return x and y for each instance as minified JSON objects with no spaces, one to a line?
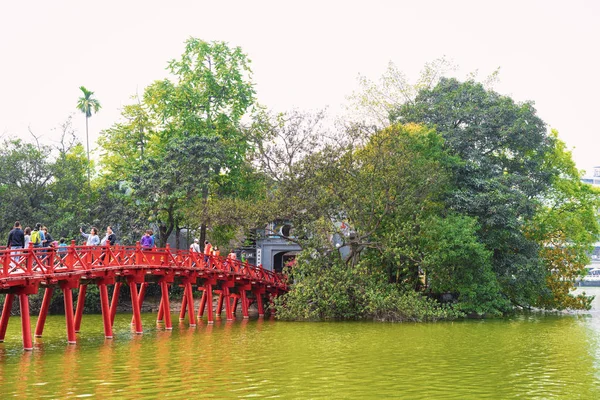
{"x":16,"y":240}
{"x":16,"y":237}
{"x":110,"y":238}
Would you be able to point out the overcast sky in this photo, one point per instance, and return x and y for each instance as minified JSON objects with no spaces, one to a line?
{"x":305,"y":54}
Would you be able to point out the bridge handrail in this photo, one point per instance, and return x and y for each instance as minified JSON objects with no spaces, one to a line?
{"x":42,"y":262}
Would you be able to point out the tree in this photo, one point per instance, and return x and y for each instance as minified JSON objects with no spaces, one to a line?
{"x":503,"y":147}
{"x":202,"y":105}
{"x":88,"y":105}
{"x":566,"y":227}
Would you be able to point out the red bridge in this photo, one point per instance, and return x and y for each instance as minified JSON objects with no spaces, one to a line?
{"x":25,"y":270}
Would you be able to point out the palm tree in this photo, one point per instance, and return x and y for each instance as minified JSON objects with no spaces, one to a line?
{"x":87,"y":104}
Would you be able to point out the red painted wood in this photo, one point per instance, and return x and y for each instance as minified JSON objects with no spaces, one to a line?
{"x":39,"y":327}
{"x":25,"y":323}
{"x":80,"y":305}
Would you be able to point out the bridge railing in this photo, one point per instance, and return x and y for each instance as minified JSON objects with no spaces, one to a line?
{"x":36,"y":263}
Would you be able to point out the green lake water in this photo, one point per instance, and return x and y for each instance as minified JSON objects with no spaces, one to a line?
{"x":527,"y":357}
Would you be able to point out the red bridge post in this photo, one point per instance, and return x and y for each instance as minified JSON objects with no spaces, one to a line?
{"x":8,"y":302}
{"x":114,"y":301}
{"x":80,"y":305}
{"x":39,"y":327}
{"x":190,"y":301}
{"x":164,"y":288}
{"x":135,"y":304}
{"x":25,"y":323}
{"x":106,"y":312}
{"x":209,"y":301}
{"x":68,"y":300}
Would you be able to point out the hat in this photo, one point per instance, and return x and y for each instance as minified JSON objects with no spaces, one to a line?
{"x":196,"y":240}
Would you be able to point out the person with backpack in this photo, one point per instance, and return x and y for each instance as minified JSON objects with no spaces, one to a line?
{"x":37,"y":236}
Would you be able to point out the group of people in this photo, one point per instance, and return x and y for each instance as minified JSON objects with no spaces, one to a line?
{"x":92,"y":238}
{"x":210,"y":250}
{"x":19,"y":238}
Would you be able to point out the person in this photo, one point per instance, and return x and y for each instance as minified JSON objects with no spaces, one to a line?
{"x":37,"y":236}
{"x":232,"y":255}
{"x":110,"y":237}
{"x":207,"y":250}
{"x":92,"y":238}
{"x":153,"y":240}
{"x":243,"y":257}
{"x":16,"y":240}
{"x":231,"y":258}
{"x":16,"y":237}
{"x":216,"y":252}
{"x":195,"y":247}
{"x":146,"y":241}
{"x":27,"y":237}
{"x":47,"y":242}
{"x":62,"y":246}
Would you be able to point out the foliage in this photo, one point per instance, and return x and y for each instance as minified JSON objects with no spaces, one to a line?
{"x":325,"y":287}
{"x":183,"y":140}
{"x":501,"y":178}
{"x":566,"y":227}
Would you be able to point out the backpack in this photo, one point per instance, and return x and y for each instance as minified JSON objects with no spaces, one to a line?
{"x":35,"y":237}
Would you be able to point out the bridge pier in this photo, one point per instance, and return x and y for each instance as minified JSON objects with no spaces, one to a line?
{"x":190,"y":305}
{"x":164,"y":288}
{"x":202,"y":305}
{"x":80,"y":305}
{"x":8,"y":302}
{"x":25,"y":322}
{"x":69,"y":318}
{"x":39,"y":327}
{"x":184,"y":302}
{"x":106,"y":314}
{"x":114,"y":301}
{"x":137,"y":316}
{"x":209,"y":302}
{"x":141,"y":296}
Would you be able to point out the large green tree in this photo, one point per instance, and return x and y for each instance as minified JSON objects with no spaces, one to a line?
{"x":503,"y":147}
{"x":191,"y":118}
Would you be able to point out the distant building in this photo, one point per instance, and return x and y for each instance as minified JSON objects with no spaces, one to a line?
{"x":594,"y":179}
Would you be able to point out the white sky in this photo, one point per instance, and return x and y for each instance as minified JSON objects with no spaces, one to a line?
{"x":305,"y":54}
